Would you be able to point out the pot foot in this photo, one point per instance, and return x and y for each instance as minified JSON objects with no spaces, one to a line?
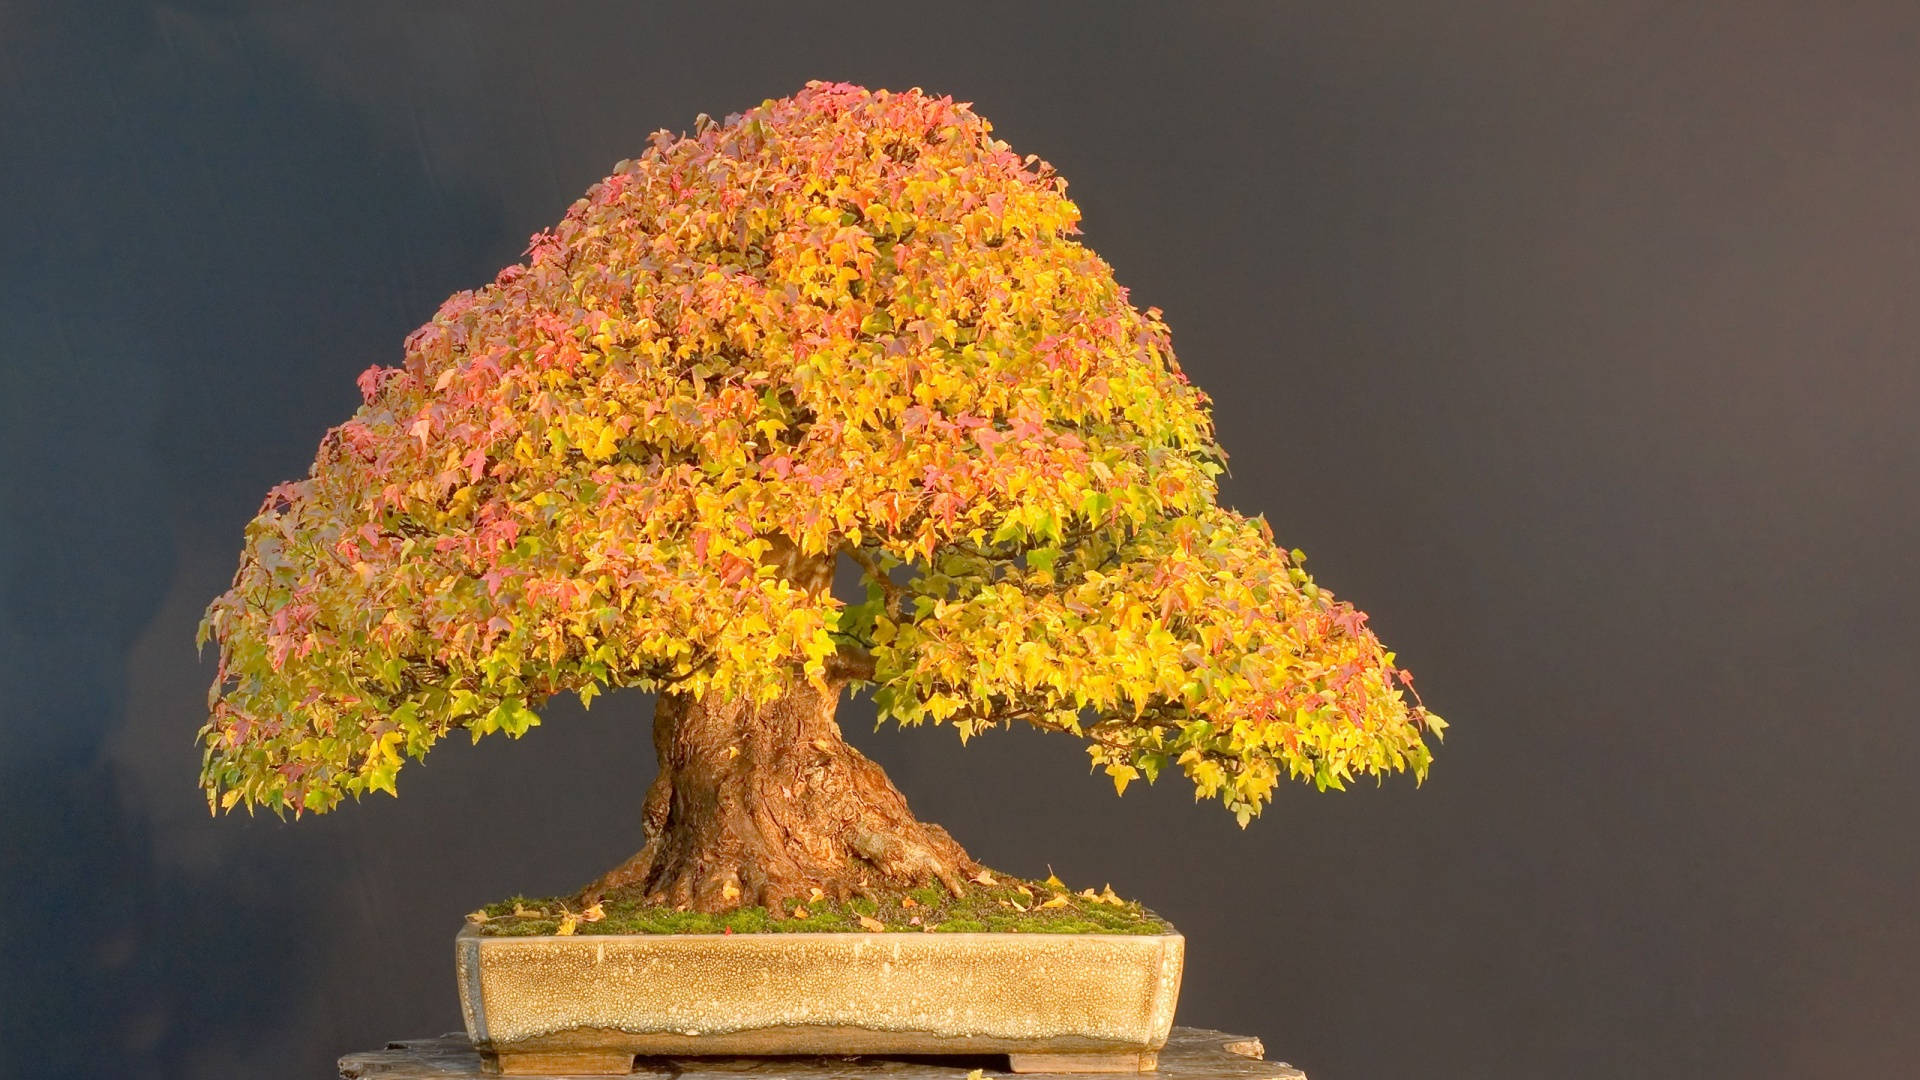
{"x":564,"y":1062}
{"x":1125,"y":1062}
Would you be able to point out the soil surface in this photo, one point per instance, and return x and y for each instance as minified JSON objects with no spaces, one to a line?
{"x":991,"y":903}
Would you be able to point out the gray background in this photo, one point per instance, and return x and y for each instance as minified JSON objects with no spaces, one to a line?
{"x":1573,"y":341}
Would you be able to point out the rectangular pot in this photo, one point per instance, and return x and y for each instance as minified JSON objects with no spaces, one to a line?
{"x":589,"y":1003}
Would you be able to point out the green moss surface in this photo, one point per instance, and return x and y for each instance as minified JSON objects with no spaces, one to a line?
{"x":1008,"y":905}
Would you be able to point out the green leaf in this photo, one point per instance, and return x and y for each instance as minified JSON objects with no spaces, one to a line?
{"x":512,"y":717}
{"x":1042,"y":559}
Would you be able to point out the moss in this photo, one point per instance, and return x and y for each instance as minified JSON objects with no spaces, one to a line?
{"x":1008,"y":906}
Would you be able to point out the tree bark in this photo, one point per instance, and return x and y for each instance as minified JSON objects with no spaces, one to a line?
{"x":763,"y":804}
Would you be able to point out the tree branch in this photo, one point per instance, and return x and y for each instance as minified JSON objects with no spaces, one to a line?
{"x":851,"y":663}
{"x":871,"y":567}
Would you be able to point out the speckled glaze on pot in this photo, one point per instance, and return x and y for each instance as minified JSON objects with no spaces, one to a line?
{"x":820,"y":993}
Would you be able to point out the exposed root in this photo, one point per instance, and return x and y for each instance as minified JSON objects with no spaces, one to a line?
{"x":766,"y":805}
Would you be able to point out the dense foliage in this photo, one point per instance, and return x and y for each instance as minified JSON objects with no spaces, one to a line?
{"x":849,"y":321}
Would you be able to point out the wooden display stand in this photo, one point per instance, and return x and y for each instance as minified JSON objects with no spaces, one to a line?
{"x":1190,"y":1054}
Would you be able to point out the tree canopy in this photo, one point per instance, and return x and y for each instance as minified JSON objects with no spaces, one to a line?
{"x":843,"y":322}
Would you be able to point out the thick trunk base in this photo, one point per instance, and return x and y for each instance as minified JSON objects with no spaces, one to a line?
{"x":764,"y":804}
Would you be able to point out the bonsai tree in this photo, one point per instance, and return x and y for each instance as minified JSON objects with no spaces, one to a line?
{"x":842,"y":325}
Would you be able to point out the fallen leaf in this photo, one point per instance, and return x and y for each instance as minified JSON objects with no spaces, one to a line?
{"x":867,"y":922}
{"x":1058,"y":901}
{"x":1023,"y":891}
{"x":732,"y":752}
{"x":729,"y":890}
{"x":1053,"y":882}
{"x":915,"y":921}
{"x":929,"y":928}
{"x":593,"y":914}
{"x":977,"y":1074}
{"x":476,"y":916}
{"x":1089,"y":894}
{"x":908,"y":901}
{"x":1110,"y":897}
{"x":800,"y":912}
{"x":823,"y":745}
{"x":985,"y":877}
{"x":567,"y":923}
{"x":527,"y":912}
{"x":816,"y":894}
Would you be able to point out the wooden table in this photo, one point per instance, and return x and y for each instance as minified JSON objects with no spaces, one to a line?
{"x":1190,"y":1054}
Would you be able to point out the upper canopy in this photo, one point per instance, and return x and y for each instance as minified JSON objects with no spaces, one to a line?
{"x":840,"y":322}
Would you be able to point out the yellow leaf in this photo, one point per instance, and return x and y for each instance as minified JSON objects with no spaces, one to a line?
{"x":977,"y":1074}
{"x":527,"y":912}
{"x":232,"y":796}
{"x":869,"y":923}
{"x":985,"y":877}
{"x":800,"y":912}
{"x":729,"y":891}
{"x":1053,"y":882}
{"x":567,"y":923}
{"x":815,"y":895}
{"x":476,"y":916}
{"x":823,"y":745}
{"x":593,"y":914}
{"x":908,"y":901}
{"x":1058,"y":901}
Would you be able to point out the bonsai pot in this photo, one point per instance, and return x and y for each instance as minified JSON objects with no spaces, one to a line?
{"x":1052,"y":1002}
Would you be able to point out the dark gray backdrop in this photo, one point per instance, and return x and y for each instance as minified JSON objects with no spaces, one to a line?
{"x":1575,"y":342}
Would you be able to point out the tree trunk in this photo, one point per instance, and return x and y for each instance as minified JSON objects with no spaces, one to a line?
{"x":763,"y":804}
